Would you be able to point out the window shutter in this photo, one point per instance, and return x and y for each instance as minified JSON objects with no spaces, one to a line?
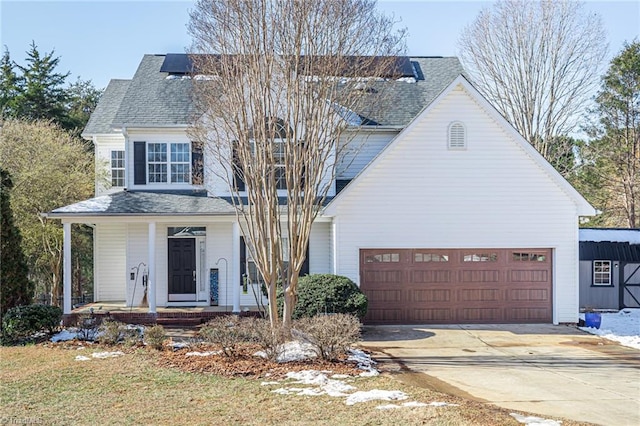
{"x":243,"y":259}
{"x":139,"y":163}
{"x":305,"y":266}
{"x":197,"y":164}
{"x":238,"y":175}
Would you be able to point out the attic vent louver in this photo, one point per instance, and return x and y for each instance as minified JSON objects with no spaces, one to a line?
{"x":457,"y":136}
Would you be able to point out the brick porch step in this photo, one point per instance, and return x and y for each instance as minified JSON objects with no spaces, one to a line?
{"x":180,"y":321}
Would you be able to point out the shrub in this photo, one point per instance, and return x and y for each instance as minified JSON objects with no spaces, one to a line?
{"x":270,"y":341}
{"x":88,"y":327}
{"x":229,"y":332}
{"x":111,"y":332}
{"x":327,"y":293}
{"x":330,"y":335}
{"x":154,"y":336}
{"x":24,"y":321}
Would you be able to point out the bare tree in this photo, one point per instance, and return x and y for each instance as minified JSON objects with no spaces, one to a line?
{"x":537,"y":62}
{"x":276,"y":85}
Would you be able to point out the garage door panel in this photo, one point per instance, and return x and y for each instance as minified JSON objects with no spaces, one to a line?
{"x":469,"y":276}
{"x":385,"y":316}
{"x":433,"y":315}
{"x":430,"y":296}
{"x":431,"y":276}
{"x":533,"y":276}
{"x":457,"y":286}
{"x":528,"y":294}
{"x":480,"y":315}
{"x":480,"y":295}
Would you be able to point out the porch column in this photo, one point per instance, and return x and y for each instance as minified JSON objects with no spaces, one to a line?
{"x":66,"y":268}
{"x":235,"y":275}
{"x":151,"y":284}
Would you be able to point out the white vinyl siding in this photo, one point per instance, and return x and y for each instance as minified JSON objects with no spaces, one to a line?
{"x":110,"y":275}
{"x":495,"y":195}
{"x":104,"y":146}
{"x":359,"y":151}
{"x":320,"y":248}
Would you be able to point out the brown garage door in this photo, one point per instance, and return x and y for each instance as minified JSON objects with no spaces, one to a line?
{"x":423,"y":286}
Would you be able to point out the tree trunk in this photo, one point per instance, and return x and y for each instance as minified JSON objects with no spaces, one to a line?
{"x":273,"y":306}
{"x":290,"y":299}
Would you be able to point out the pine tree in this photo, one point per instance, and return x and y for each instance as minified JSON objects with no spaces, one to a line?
{"x":9,"y":86}
{"x":15,"y":287}
{"x":42,"y":95}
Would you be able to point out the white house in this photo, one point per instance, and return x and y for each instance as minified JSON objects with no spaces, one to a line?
{"x":446,"y":214}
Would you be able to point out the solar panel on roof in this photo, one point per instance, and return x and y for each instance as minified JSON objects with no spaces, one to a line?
{"x":176,"y":63}
{"x":180,"y":63}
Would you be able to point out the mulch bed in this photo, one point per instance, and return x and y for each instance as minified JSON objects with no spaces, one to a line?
{"x":245,"y":364}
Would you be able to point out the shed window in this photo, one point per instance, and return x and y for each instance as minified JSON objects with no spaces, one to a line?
{"x":457,"y":138}
{"x":601,"y":272}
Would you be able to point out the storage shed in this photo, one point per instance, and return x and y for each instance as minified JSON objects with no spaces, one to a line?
{"x":609,"y":268}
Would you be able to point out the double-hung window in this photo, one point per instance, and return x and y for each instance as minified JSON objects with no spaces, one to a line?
{"x":117,"y":168}
{"x":601,"y":272}
{"x":169,"y":162}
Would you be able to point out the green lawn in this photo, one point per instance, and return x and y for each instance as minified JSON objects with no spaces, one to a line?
{"x":47,"y":385}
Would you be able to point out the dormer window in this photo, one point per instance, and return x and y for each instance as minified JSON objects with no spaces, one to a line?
{"x":457,"y":137}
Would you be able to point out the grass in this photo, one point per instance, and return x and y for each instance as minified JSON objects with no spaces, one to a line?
{"x":45,"y":385}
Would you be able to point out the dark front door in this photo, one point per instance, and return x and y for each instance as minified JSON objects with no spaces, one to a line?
{"x":182,"y":269}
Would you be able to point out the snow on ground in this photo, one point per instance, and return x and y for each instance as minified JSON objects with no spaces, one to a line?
{"x":375,"y":394}
{"x":622,"y":327}
{"x":292,"y":351}
{"x":64,"y":336}
{"x":535,"y":421}
{"x":100,"y":355}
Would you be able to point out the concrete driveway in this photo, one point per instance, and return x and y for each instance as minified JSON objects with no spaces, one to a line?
{"x":549,"y":370}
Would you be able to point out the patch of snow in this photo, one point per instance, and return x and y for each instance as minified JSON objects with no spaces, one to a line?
{"x":295,"y":351}
{"x":82,"y":358}
{"x":441,"y":404}
{"x":269,"y":383}
{"x":622,"y":327}
{"x":535,"y":421}
{"x":375,"y":394}
{"x":179,"y":345}
{"x":364,"y":362}
{"x":387,"y":407}
{"x":323,"y":384}
{"x":631,"y":236}
{"x":64,"y":336}
{"x":340,"y":376}
{"x":407,"y":79}
{"x":103,"y":355}
{"x":94,"y":205}
{"x":208,"y":353}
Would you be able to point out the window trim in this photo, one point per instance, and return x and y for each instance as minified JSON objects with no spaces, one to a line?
{"x":115,"y":169}
{"x":463,"y":129}
{"x":609,"y":273}
{"x":168,"y":163}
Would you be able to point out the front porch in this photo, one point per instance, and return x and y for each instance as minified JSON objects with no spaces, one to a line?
{"x":189,"y":316}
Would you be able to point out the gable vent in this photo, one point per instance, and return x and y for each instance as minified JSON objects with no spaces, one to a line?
{"x":457,"y":136}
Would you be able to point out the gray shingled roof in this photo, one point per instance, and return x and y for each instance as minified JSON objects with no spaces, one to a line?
{"x":151,"y":99}
{"x":154,"y":100}
{"x":102,"y":118}
{"x":134,"y":203}
{"x":399,"y":102}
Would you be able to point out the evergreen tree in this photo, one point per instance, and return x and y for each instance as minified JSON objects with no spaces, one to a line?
{"x":613,"y":156}
{"x":9,"y":86}
{"x":15,"y":287}
{"x":42,"y":93}
{"x":82,"y":100}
